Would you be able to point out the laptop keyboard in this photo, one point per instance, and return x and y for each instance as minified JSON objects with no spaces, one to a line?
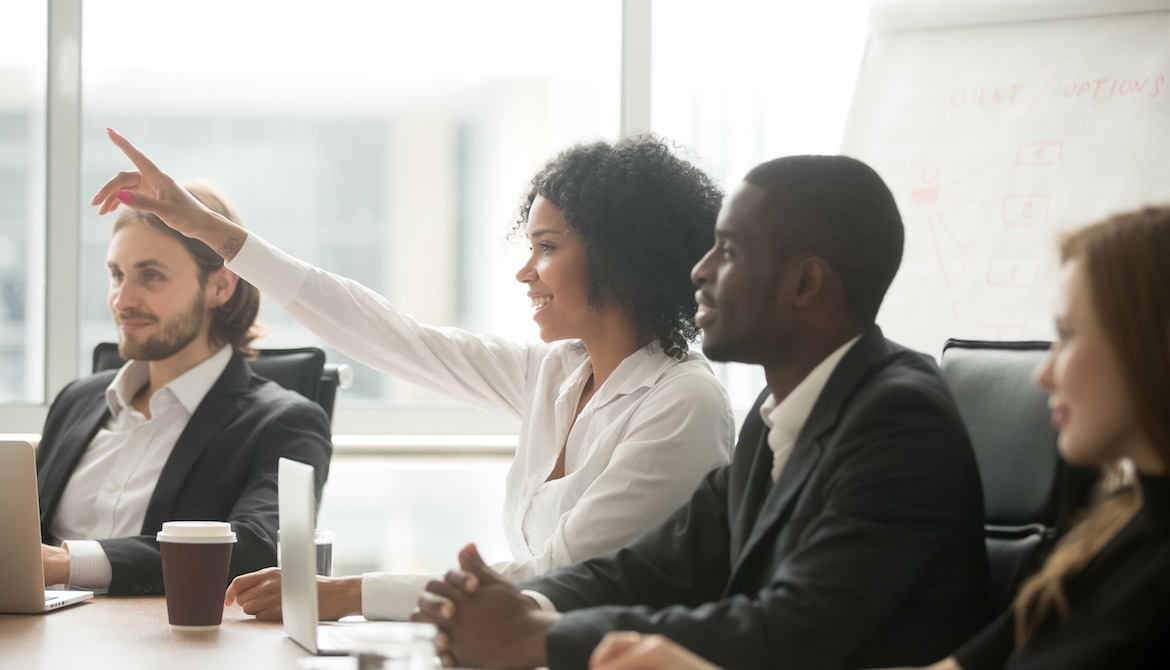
{"x":336,"y":638}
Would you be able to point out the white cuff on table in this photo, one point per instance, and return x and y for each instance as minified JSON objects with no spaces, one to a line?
{"x":391,"y":596}
{"x":89,"y":567}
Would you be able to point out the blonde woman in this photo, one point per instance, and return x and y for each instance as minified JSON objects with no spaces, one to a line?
{"x":1102,"y":600}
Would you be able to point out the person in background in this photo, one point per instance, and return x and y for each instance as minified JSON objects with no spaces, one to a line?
{"x":848,"y":529}
{"x":618,"y":418}
{"x":183,"y":431}
{"x":1102,"y":599}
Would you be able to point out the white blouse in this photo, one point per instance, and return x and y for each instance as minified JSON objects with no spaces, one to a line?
{"x":634,"y":454}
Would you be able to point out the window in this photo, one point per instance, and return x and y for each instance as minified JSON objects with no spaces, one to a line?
{"x":23,"y":54}
{"x":382,"y":141}
{"x":741,"y":82}
{"x":388,"y":143}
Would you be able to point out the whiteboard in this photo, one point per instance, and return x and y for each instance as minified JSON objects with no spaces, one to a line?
{"x":996,"y":125}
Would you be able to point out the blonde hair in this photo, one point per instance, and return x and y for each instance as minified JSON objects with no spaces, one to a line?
{"x":1124,"y":260}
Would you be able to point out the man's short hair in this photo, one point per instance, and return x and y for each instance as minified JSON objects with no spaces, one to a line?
{"x":839,"y":209}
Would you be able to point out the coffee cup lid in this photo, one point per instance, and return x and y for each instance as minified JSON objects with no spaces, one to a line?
{"x":196,"y":532}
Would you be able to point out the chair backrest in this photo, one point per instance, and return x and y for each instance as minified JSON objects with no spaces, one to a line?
{"x":334,"y":377}
{"x":298,"y":370}
{"x":302,"y":370}
{"x":1015,"y":446}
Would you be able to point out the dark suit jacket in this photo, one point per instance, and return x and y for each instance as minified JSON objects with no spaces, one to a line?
{"x":223,"y":467}
{"x":868,"y":552}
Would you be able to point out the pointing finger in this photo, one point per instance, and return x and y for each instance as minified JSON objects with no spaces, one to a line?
{"x":140,"y":161}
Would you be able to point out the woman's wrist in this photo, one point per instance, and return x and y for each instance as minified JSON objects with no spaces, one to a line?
{"x":217,"y":232}
{"x":339,"y":597}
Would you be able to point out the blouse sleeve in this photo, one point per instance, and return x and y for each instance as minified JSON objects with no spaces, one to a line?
{"x":484,"y":371}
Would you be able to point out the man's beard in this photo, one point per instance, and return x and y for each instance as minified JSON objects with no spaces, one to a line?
{"x":174,"y":336}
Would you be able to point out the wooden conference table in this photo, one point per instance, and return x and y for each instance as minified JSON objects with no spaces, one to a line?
{"x":131,"y":633}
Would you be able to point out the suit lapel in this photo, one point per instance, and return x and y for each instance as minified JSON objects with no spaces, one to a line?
{"x":216,"y":410}
{"x":54,"y":474}
{"x":808,"y":450}
{"x":758,"y":484}
{"x":782,"y":494}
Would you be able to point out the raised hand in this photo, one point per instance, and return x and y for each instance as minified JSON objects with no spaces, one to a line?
{"x":485,"y":621}
{"x":149,"y":189}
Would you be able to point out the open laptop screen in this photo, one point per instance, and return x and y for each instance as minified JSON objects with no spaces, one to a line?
{"x":22,"y":578}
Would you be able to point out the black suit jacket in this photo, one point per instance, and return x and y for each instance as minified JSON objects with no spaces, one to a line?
{"x":868,"y":551}
{"x":223,"y":467}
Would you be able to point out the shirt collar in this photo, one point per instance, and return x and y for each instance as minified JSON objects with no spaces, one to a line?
{"x":640,"y":369}
{"x":188,"y":388}
{"x":790,"y":414}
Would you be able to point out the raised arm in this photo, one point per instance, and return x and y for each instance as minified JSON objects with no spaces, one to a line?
{"x":487,"y":372}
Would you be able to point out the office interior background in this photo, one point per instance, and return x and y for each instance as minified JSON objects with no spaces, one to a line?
{"x":388,"y":142}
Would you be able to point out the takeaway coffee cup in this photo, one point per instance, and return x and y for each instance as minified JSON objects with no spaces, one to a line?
{"x":195,"y":557}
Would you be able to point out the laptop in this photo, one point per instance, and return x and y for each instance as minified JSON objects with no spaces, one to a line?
{"x":22,"y":576}
{"x":298,"y":580}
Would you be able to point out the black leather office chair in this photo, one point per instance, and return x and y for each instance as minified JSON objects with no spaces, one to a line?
{"x":1024,"y":480}
{"x":302,"y":370}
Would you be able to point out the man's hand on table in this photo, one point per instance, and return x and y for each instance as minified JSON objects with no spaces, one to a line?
{"x":484,"y":621}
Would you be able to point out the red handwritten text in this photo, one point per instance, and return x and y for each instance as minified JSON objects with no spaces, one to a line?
{"x":1110,"y":87}
{"x":985,"y":96}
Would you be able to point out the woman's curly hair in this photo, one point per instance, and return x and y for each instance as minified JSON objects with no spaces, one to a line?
{"x":645,"y":216}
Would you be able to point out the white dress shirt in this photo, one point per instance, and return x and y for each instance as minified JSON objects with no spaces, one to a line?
{"x":110,"y":489}
{"x":786,"y":418}
{"x":636,"y":452}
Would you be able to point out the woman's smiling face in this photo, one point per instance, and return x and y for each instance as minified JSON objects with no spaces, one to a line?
{"x":1088,"y":397}
{"x":557,"y":275}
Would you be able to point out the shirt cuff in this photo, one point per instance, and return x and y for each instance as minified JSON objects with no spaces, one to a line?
{"x":542,"y":600}
{"x":89,"y":567}
{"x":393,"y":597}
{"x":277,"y":275}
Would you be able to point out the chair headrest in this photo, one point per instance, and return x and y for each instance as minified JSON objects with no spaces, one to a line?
{"x":1008,"y":420}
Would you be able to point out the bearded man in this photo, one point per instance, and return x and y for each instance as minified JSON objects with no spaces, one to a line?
{"x":183,"y":431}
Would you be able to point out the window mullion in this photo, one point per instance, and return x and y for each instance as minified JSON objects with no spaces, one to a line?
{"x":63,"y":174}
